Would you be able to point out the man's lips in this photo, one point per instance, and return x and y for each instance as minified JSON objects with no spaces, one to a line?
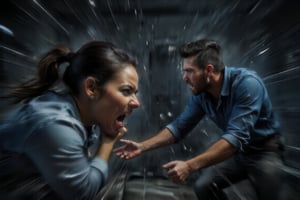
{"x":191,"y":86}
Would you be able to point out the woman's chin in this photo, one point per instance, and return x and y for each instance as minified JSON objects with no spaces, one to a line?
{"x":115,"y":132}
{"x":112,"y":134}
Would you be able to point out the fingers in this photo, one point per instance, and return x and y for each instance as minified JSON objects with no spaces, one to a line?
{"x":124,"y":129}
{"x":169,"y":165}
{"x":129,"y":150}
{"x":176,"y":178}
{"x":122,"y":152}
{"x":119,"y":149}
{"x":123,"y":147}
{"x":125,"y":141}
{"x":176,"y":171}
{"x":124,"y":155}
{"x":122,"y":132}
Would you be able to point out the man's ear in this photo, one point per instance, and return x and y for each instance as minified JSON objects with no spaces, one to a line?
{"x":90,"y":87}
{"x":209,"y":69}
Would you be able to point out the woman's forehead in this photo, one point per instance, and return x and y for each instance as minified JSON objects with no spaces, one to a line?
{"x":126,"y":75}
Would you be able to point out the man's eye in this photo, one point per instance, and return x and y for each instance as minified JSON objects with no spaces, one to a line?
{"x":189,"y":71}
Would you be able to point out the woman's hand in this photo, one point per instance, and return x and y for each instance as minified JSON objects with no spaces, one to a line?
{"x":108,"y":138}
{"x":107,"y":143}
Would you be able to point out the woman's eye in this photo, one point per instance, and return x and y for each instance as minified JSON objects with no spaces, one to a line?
{"x":126,"y":92}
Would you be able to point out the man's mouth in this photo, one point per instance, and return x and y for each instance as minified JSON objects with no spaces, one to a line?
{"x":191,"y":86}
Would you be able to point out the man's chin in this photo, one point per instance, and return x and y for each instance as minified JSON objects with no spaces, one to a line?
{"x":193,"y":90}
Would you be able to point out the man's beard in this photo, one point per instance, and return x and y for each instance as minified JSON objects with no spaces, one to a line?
{"x":201,"y":86}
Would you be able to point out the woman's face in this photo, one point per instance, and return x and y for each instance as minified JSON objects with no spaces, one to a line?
{"x":117,"y":101}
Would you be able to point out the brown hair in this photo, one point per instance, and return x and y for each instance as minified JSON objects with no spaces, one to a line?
{"x":206,"y":51}
{"x":99,"y":59}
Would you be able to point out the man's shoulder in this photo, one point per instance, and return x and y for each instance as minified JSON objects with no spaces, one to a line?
{"x":240,"y":73}
{"x":244,"y":78}
{"x":240,"y":70}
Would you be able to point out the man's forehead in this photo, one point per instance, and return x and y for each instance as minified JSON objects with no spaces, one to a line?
{"x":189,"y":62}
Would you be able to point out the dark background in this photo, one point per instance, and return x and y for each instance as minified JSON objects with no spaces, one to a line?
{"x":259,"y":34}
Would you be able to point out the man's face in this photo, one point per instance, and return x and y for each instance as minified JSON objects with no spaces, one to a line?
{"x":194,"y":77}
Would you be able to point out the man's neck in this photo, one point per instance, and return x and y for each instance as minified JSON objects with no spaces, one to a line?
{"x":216,"y":85}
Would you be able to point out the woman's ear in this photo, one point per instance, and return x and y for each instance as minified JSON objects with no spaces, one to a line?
{"x":90,"y":87}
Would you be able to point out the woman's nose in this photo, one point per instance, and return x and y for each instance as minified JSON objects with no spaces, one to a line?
{"x":135,"y":103}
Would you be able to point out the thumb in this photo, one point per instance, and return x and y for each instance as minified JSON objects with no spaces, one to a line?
{"x":169,"y":165}
{"x":122,"y":131}
{"x":124,"y":141}
{"x":120,"y":134}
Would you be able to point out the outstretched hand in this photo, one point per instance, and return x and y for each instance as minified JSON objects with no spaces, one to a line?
{"x":178,"y":171}
{"x":129,"y":150}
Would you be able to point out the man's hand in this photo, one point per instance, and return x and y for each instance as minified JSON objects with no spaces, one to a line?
{"x":178,"y":171}
{"x":129,"y":150}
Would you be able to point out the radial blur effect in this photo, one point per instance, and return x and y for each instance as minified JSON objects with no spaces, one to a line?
{"x":262,"y":35}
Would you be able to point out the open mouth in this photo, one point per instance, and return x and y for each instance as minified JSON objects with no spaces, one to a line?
{"x":121,"y":118}
{"x":120,"y":121}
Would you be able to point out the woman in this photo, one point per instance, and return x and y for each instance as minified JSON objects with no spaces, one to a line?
{"x":50,"y":146}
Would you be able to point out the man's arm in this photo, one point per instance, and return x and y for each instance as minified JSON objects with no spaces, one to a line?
{"x":179,"y":171}
{"x":218,"y":152}
{"x":162,"y":138}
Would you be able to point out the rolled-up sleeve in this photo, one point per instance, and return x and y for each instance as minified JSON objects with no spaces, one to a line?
{"x":187,"y":120}
{"x":58,"y":151}
{"x":248,"y":100}
{"x":101,"y":165}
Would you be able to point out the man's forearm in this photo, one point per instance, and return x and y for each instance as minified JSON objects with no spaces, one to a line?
{"x":218,"y":152}
{"x":163,"y":138}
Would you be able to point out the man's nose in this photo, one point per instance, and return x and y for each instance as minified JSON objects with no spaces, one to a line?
{"x":184,"y":76}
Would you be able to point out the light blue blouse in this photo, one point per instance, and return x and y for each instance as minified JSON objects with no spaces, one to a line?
{"x":243,"y":111}
{"x":45,"y":138}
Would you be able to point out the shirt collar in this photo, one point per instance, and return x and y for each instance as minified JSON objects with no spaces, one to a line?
{"x":226,"y":81}
{"x":74,"y":110}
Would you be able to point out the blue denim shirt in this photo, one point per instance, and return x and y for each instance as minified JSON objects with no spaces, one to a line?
{"x":43,"y":142}
{"x":243,"y":111}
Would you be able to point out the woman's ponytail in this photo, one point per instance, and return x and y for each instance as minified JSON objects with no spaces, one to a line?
{"x":48,"y":74}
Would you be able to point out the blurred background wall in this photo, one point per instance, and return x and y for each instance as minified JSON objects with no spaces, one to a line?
{"x":259,"y":34}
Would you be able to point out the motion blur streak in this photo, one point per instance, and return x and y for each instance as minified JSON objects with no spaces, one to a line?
{"x":262,"y":35}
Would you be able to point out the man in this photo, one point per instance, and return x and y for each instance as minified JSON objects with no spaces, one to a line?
{"x":237,"y":101}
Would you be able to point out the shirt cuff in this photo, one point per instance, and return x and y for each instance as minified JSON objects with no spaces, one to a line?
{"x":174,"y":132}
{"x":232,"y":140}
{"x":102,"y":165}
